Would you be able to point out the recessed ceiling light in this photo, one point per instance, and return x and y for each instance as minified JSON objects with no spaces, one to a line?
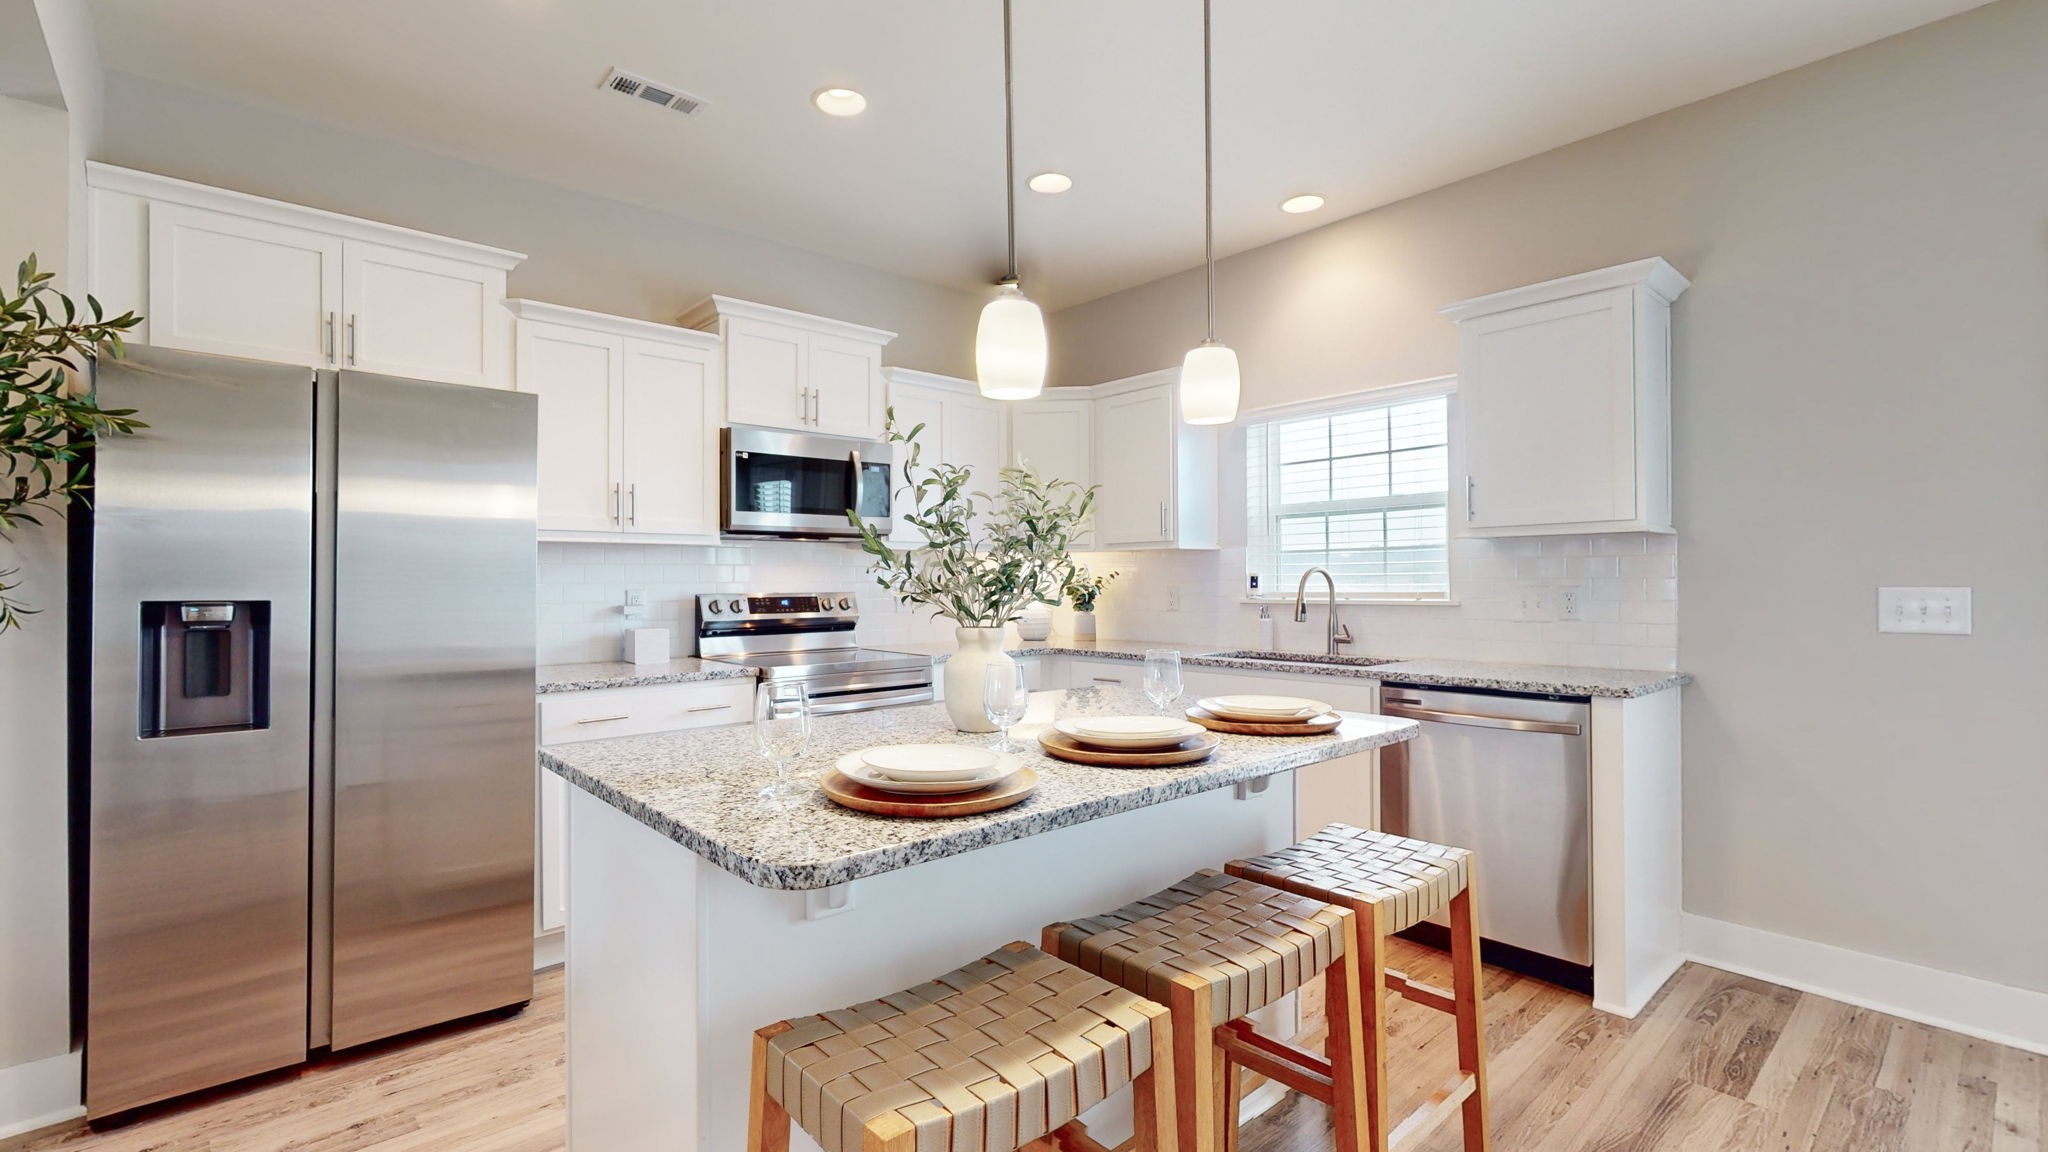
{"x":1300,"y":204}
{"x":1051,"y":183}
{"x":839,"y":101}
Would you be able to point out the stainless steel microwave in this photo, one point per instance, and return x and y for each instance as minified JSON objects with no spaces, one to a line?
{"x":800,"y":485}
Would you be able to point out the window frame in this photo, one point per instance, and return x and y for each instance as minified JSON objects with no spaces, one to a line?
{"x":1445,"y":386}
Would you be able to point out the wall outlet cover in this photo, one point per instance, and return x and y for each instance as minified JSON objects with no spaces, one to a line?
{"x":1571,"y":603}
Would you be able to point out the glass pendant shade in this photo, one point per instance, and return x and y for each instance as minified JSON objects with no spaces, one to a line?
{"x":1209,"y":384}
{"x":1009,"y":347}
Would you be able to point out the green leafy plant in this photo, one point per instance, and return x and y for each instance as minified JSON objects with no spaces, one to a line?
{"x":47,"y":412}
{"x":1084,"y":587}
{"x":979,"y":579}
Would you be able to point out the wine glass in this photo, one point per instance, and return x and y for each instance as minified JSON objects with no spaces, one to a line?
{"x":782,"y":730}
{"x":1005,"y":696}
{"x":1162,"y":676}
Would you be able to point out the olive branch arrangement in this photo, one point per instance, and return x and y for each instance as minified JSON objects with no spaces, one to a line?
{"x":47,"y":412}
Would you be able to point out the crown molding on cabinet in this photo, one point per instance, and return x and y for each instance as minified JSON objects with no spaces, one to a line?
{"x":541,"y":310}
{"x":706,"y":314}
{"x":169,"y":190}
{"x":897,"y":376}
{"x":1656,"y":275}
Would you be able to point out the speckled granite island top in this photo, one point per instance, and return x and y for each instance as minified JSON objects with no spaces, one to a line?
{"x":619,"y":674}
{"x":699,"y":788}
{"x":1546,"y":679}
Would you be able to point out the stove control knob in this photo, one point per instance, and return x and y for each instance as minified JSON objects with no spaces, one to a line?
{"x":714,"y":607}
{"x":845,"y":604}
{"x":736,"y":606}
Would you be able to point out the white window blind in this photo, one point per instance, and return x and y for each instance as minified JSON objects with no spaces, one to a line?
{"x":1361,"y":491}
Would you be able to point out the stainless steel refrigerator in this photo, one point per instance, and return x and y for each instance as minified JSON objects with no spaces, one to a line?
{"x":302,"y":743}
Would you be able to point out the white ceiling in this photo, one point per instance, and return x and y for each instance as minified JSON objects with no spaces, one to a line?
{"x":1362,"y":102}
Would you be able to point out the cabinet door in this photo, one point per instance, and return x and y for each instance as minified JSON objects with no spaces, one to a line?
{"x":1052,"y":438}
{"x":1546,"y":395}
{"x":237,"y":287}
{"x":1135,"y":468}
{"x":552,"y":911}
{"x":914,"y":406}
{"x":767,"y":375}
{"x":846,"y":387}
{"x":578,"y":377}
{"x":425,"y":317}
{"x":974,"y":440}
{"x":671,"y":438}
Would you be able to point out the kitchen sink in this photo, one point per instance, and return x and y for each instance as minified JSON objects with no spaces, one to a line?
{"x":1281,"y":658}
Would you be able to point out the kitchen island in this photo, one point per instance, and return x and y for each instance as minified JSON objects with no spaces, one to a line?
{"x":699,"y":913}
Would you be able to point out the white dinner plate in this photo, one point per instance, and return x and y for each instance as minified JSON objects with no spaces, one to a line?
{"x":1142,"y":732}
{"x":855,"y":769}
{"x":1266,"y":709}
{"x":929,"y":763}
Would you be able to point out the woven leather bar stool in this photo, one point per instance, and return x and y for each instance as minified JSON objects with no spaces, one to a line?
{"x":1213,"y":949}
{"x":1391,"y":883}
{"x":997,"y":1056}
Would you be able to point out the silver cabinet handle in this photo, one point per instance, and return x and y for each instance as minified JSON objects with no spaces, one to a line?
{"x":632,"y":504}
{"x":604,"y":719}
{"x":710,"y":708}
{"x":612,"y":506}
{"x":1475,"y":720}
{"x":814,"y":407}
{"x":330,"y":337}
{"x":351,"y":339}
{"x":1470,"y":487}
{"x":1162,"y":519}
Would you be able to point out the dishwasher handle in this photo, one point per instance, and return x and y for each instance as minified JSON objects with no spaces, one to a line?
{"x":1477,"y":720}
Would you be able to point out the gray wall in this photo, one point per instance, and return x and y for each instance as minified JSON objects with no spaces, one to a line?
{"x":1861,"y":399}
{"x":583,"y":251}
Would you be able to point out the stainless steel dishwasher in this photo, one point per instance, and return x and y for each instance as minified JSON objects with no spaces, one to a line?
{"x":1506,"y":776}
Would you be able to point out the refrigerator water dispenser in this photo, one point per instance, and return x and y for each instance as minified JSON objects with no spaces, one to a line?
{"x":205,"y":666}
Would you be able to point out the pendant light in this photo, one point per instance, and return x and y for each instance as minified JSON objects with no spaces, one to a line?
{"x":1009,"y":344}
{"x":1209,"y":382}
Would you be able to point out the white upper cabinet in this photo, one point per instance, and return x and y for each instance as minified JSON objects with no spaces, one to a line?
{"x":1052,"y":437}
{"x":1158,"y":475}
{"x":235,"y":275}
{"x":1564,"y":404}
{"x":961,"y":427}
{"x":791,"y":370}
{"x":629,"y":419}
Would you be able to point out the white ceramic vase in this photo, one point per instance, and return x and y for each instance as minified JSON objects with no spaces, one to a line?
{"x":1084,"y":624}
{"x":965,"y":672}
{"x":1035,"y":623}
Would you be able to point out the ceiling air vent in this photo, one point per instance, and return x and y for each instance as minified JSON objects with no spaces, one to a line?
{"x":666,"y":95}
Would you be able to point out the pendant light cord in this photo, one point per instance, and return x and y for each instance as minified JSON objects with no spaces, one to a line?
{"x":1208,"y":175}
{"x":1009,"y":146}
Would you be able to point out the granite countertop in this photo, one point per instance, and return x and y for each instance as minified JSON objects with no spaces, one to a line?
{"x":619,"y":674}
{"x":699,"y":788}
{"x":1547,"y":679}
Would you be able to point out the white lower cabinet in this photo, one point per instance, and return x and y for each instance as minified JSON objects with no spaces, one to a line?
{"x":567,"y":717}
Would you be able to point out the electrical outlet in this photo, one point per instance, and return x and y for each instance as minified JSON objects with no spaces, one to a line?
{"x":1535,"y":604}
{"x":636,"y":604}
{"x":1570,"y":603}
{"x":1937,"y":611}
{"x":1173,"y":598}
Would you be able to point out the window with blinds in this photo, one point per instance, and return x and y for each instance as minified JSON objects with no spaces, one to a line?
{"x":1361,"y":491}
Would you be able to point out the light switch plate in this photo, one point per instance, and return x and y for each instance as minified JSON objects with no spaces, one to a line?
{"x":1536,"y":603}
{"x":1929,"y":611}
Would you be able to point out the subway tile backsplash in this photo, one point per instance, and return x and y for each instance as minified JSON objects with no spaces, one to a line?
{"x":1629,"y":615}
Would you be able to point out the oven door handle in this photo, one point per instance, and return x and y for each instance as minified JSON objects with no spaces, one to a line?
{"x":827,"y":705}
{"x":1476,"y":720}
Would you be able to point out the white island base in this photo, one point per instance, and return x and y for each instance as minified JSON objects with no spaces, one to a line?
{"x":674,"y":962}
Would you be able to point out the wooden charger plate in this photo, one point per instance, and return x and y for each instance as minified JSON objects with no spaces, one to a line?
{"x":862,"y":798}
{"x":1314,"y":726}
{"x":1059,"y":745}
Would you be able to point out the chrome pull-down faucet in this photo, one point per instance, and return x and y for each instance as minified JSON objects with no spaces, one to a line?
{"x":1339,"y":634}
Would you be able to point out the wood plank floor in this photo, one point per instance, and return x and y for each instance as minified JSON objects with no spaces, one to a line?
{"x":1717,"y":1062}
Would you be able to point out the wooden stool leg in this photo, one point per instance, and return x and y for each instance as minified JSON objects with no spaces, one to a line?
{"x":1152,"y":1100}
{"x":767,"y":1123}
{"x":1465,"y":986}
{"x":1194,"y":1064}
{"x":1229,"y":1094}
{"x":1355,"y":1062}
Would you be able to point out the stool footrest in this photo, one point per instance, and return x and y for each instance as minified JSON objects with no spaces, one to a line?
{"x":1426,"y":994}
{"x":1434,"y":1111}
{"x":1305,"y":1072}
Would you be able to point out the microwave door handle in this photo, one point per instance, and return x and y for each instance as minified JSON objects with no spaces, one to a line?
{"x":853,"y":459}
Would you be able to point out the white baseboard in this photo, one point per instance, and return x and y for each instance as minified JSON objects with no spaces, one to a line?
{"x":548,"y":950}
{"x":2000,"y":1013}
{"x":40,"y":1093}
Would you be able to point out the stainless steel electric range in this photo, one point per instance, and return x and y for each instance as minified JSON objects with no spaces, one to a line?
{"x":809,"y":640}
